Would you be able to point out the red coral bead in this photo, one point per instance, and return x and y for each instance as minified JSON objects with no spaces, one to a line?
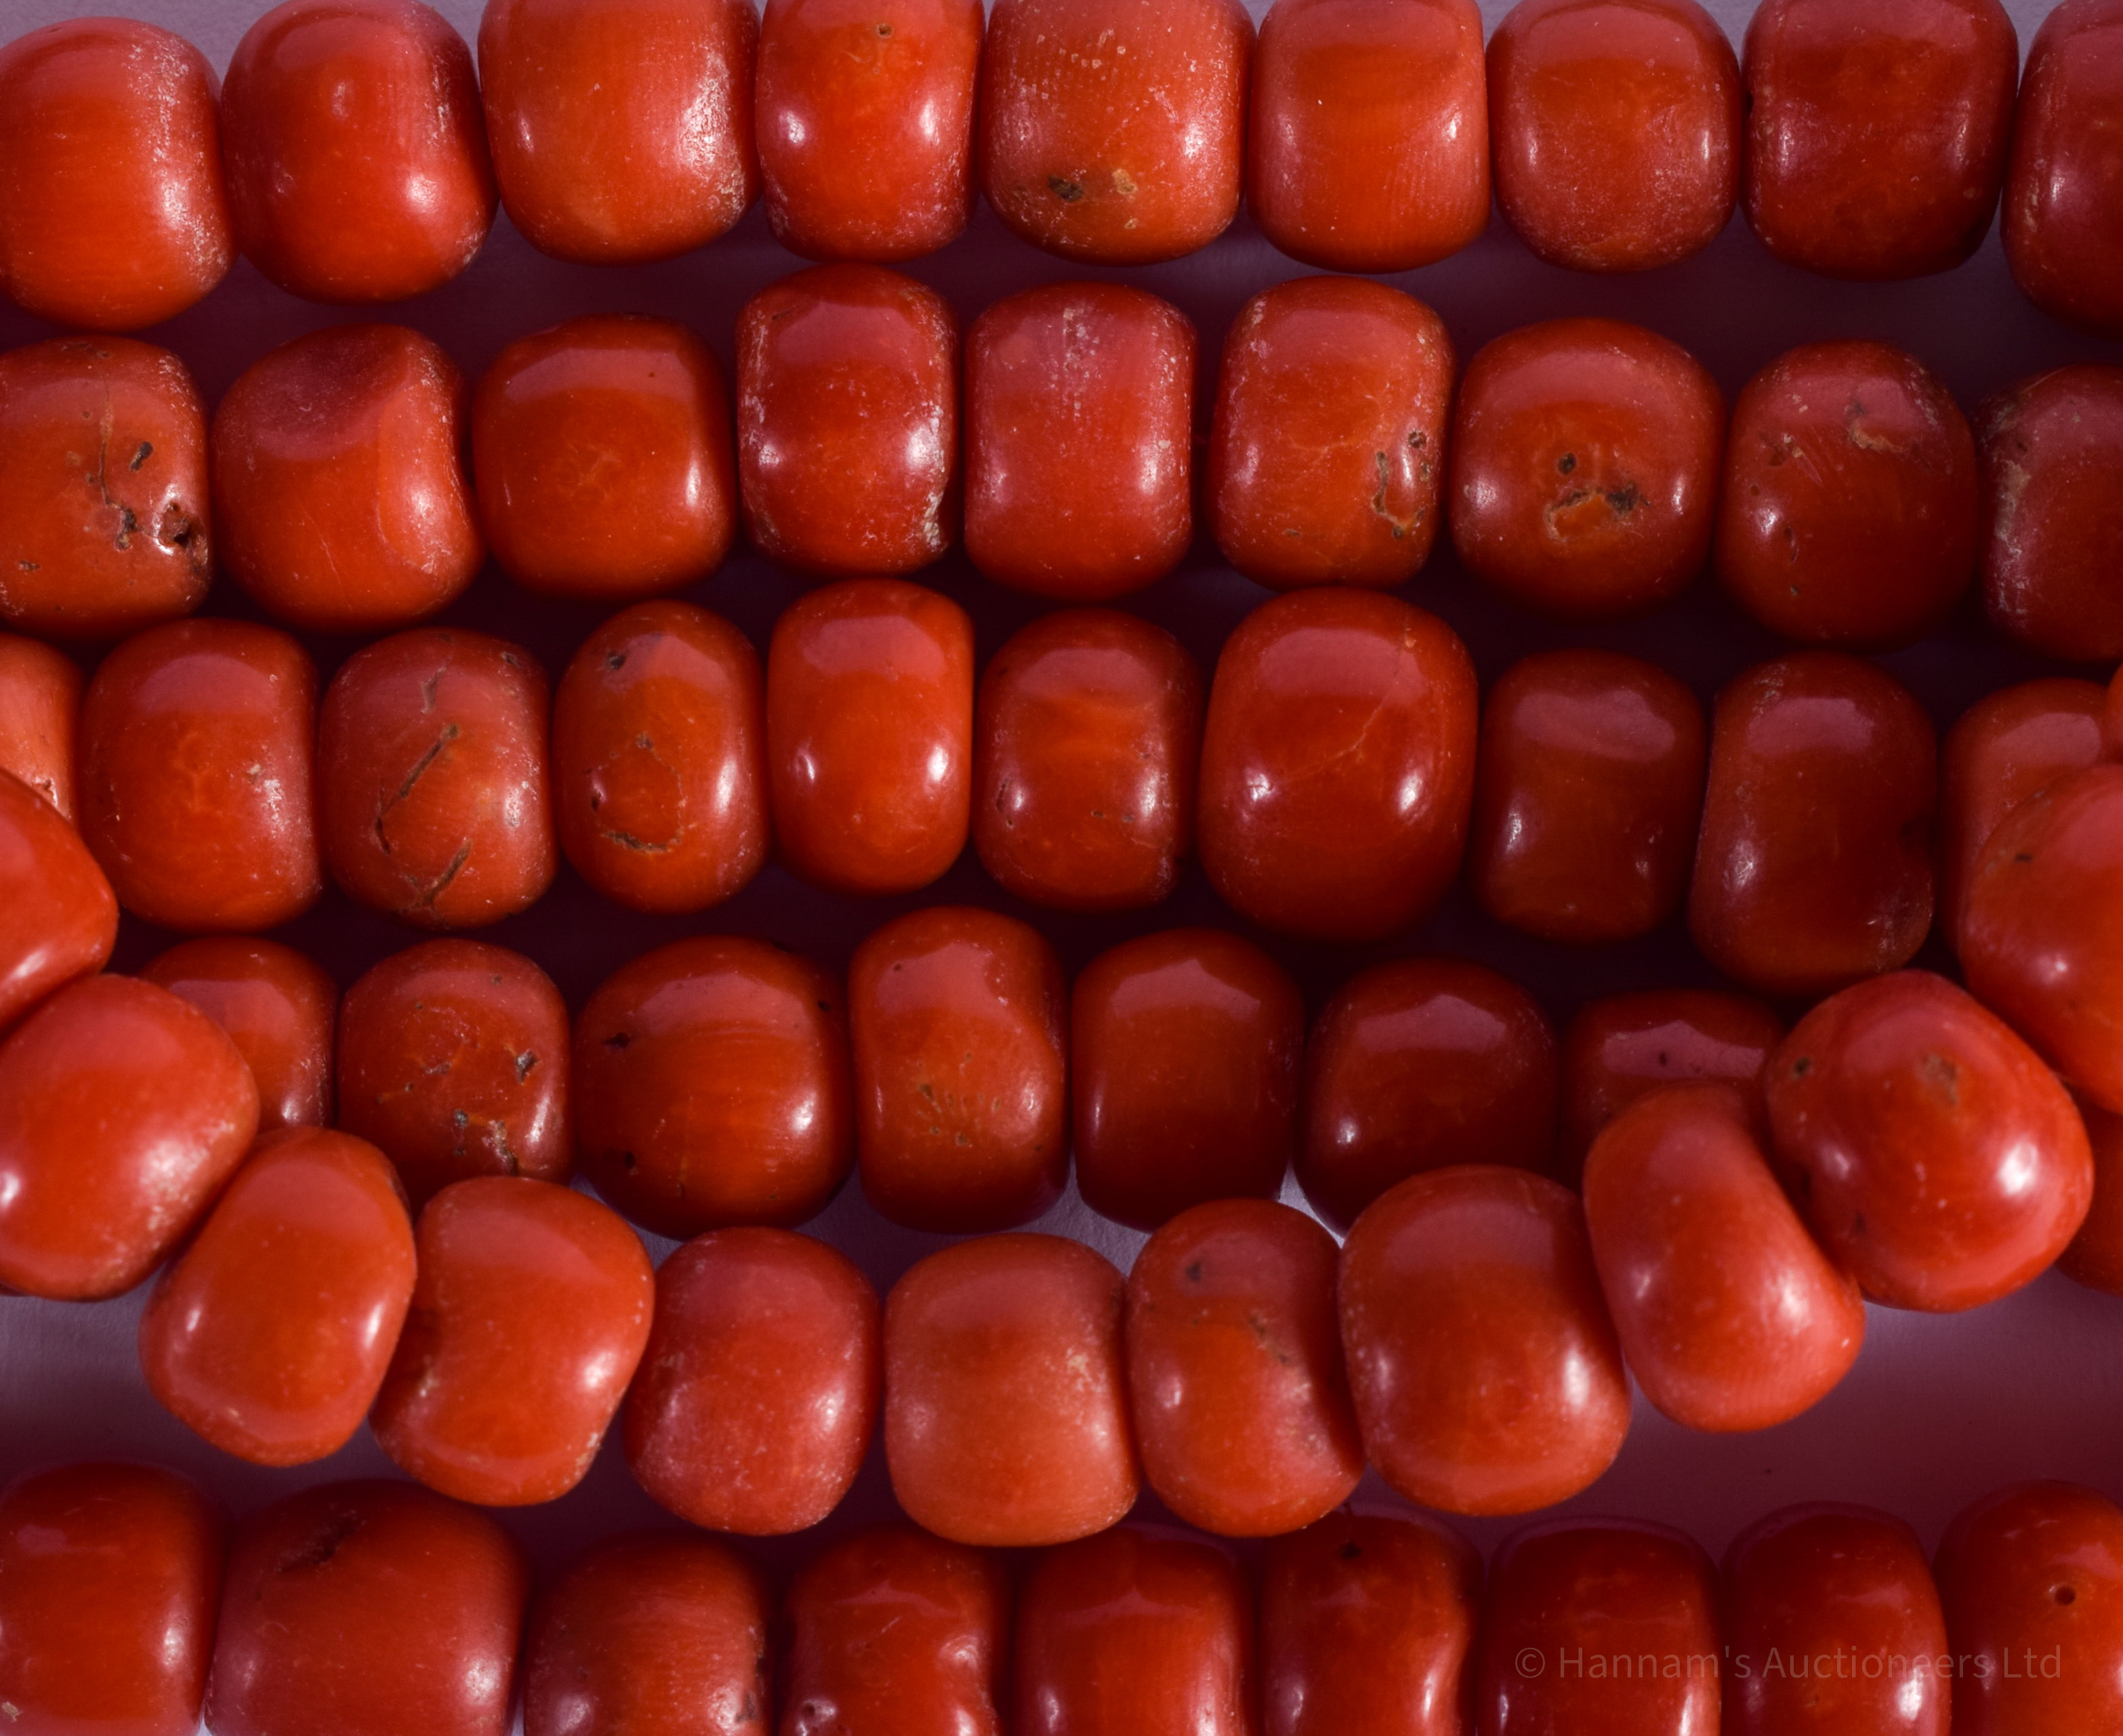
{"x":959,"y":1018}
{"x":1005,"y":1397}
{"x":269,"y":1333}
{"x":1087,"y":745}
{"x":1079,"y":440}
{"x":339,"y":483}
{"x":2064,"y":175}
{"x":58,"y":917}
{"x":108,"y":1576}
{"x":1487,"y":1375}
{"x":113,"y":214}
{"x":1419,"y":1064}
{"x":758,"y":1392}
{"x":356,"y":149}
{"x":870,"y":725}
{"x":1933,"y":1151}
{"x":198,"y":788}
{"x":1585,"y":173}
{"x":2052,"y":526}
{"x":1326,"y":455}
{"x":651,"y":1635}
{"x":1111,"y":131}
{"x":1337,"y":764}
{"x":847,"y":421}
{"x":897,"y":1633}
{"x":1184,"y":1051}
{"x":1370,"y":135}
{"x":1877,"y":131}
{"x":278,"y":1009}
{"x":367,"y":1609}
{"x":529,"y":1317}
{"x":453,"y":1059}
{"x":866,"y":124}
{"x":1814,"y":865}
{"x":602,"y":452}
{"x":103,"y":489}
{"x":1241,"y":1404}
{"x":712,"y":1086}
{"x":1848,"y":513}
{"x":431,"y":762}
{"x":622,"y":132}
{"x":1730,"y":1316}
{"x":123,"y":1112}
{"x":1584,"y":467}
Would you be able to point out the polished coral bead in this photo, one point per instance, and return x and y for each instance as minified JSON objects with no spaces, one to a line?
{"x":103,"y":489}
{"x":1326,"y":455}
{"x":453,"y":1058}
{"x":197,"y":775}
{"x":339,"y":485}
{"x":1184,"y":1051}
{"x":268,"y":1335}
{"x":1087,"y":744}
{"x":893,"y":1632}
{"x":1337,"y":764}
{"x":39,"y":716}
{"x":123,"y":1111}
{"x":1241,"y":1404}
{"x":529,"y":1317}
{"x":278,"y":1008}
{"x":652,"y":1634}
{"x":2052,"y":538}
{"x":847,"y":421}
{"x":1584,"y":467}
{"x":58,"y":918}
{"x":1135,"y":1629}
{"x":1005,"y":1398}
{"x":2004,"y":748}
{"x":1848,"y":1591}
{"x":1933,"y":1152}
{"x":1080,"y":406}
{"x":1601,"y":1628}
{"x":1877,"y":131}
{"x":1588,"y":789}
{"x":1370,"y":132}
{"x":367,"y":1609}
{"x":1848,"y":514}
{"x":659,"y":759}
{"x":1111,"y":131}
{"x":870,"y":724}
{"x":109,"y":1577}
{"x":1485,"y":1372}
{"x":2042,"y":927}
{"x":712,"y":1086}
{"x":1814,"y":867}
{"x":113,"y":213}
{"x":2065,"y":175}
{"x":1616,"y":126}
{"x":1366,"y":1624}
{"x":959,"y":1018}
{"x":431,"y":763}
{"x":602,"y":452}
{"x":2033,"y":1574}
{"x":356,"y":149}
{"x":621,"y":131}
{"x":1620,"y":1047}
{"x":2095,"y":1257}
{"x":866,"y":124}
{"x":1418,"y":1064}
{"x":759,"y":1391}
{"x":1731,"y":1318}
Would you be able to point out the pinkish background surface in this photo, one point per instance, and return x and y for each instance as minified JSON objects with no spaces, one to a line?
{"x":1937,"y":1410}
